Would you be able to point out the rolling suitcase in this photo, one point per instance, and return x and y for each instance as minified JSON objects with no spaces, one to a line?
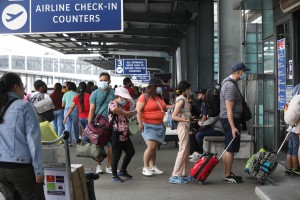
{"x":264,"y":164}
{"x":204,"y":166}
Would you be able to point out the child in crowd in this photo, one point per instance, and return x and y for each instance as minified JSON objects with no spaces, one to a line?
{"x":292,"y":167}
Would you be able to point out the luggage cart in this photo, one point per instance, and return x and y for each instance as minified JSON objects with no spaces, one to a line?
{"x":58,"y":180}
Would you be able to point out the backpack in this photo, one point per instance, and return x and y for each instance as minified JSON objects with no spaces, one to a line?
{"x":170,"y":122}
{"x":213,"y":100}
{"x":44,"y":107}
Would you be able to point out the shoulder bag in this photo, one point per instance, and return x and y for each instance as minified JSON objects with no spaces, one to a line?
{"x":99,"y":130}
{"x":89,"y":150}
{"x":246,"y":115}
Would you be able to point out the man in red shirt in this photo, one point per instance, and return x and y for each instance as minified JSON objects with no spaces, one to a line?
{"x":127,"y":83}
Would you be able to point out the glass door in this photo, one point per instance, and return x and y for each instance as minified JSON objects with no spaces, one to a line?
{"x":262,"y":89}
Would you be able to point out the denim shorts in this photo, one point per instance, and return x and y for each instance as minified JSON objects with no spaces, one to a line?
{"x":293,"y":144}
{"x":155,"y":132}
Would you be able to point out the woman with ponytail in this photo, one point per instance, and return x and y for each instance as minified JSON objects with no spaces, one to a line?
{"x":82,"y":101}
{"x":182,"y":114}
{"x":21,"y":172}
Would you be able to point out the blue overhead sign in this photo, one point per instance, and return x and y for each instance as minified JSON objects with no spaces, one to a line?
{"x":60,"y":16}
{"x":141,"y":77}
{"x":131,"y":66}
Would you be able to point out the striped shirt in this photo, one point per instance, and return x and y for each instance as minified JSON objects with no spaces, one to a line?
{"x":230,"y":92}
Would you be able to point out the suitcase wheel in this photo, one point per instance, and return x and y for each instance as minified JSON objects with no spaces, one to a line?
{"x":201,"y":181}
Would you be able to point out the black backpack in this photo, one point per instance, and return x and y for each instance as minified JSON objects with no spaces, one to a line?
{"x":213,"y":100}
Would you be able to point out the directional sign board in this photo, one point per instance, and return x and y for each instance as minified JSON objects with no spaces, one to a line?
{"x":142,"y":77}
{"x":131,"y":66}
{"x":55,"y":16}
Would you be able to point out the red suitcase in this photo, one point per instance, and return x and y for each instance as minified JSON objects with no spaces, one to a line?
{"x":204,"y":166}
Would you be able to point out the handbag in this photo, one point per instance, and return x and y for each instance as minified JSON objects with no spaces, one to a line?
{"x":99,"y":130}
{"x":133,"y":127}
{"x":44,"y":108}
{"x":246,"y":115}
{"x":89,"y":150}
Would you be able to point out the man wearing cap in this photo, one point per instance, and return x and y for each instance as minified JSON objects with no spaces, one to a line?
{"x":231,"y":109}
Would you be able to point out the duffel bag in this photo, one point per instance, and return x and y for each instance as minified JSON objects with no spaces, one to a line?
{"x":98,"y":131}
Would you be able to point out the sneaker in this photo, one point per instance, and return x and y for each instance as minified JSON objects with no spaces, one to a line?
{"x":147,"y":172}
{"x":232,"y":179}
{"x":296,"y":172}
{"x":108,"y":170}
{"x":192,"y":155}
{"x":177,"y":180}
{"x":125,"y":175}
{"x":117,"y":179}
{"x":288,"y":171}
{"x":195,"y":157}
{"x":99,"y":169}
{"x":187,"y":178}
{"x":238,"y":177}
{"x":78,"y":141}
{"x":155,"y":170}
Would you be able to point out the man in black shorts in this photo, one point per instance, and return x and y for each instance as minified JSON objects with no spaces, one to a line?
{"x":230,"y":116}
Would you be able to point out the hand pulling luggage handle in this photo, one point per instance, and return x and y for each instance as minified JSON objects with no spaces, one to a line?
{"x":226,"y":149}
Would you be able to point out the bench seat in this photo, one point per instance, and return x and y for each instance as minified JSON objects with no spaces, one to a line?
{"x":215,"y":144}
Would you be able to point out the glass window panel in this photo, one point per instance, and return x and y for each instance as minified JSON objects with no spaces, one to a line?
{"x":97,"y":70}
{"x":67,"y":66}
{"x":251,"y":48}
{"x":18,"y":62}
{"x":34,"y":63}
{"x":252,"y":67}
{"x":4,"y":64}
{"x":251,"y":58}
{"x":267,"y":22}
{"x":251,"y":37}
{"x":83,"y":67}
{"x":49,"y":64}
{"x":268,"y":56}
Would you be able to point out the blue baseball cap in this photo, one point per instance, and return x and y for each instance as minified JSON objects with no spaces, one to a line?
{"x":239,"y":66}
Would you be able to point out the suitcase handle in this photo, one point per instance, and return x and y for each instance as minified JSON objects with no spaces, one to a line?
{"x":285,"y":139}
{"x":226,"y":148}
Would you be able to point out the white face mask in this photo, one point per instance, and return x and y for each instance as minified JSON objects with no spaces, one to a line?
{"x":103,"y":85}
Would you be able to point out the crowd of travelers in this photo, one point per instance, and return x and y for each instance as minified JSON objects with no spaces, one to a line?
{"x":75,"y":107}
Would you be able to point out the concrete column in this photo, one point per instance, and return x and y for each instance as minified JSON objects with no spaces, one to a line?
{"x":230,"y":42}
{"x":182,"y":70}
{"x":205,"y":43}
{"x":192,"y":60}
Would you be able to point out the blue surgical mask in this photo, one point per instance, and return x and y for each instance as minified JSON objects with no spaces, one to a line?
{"x":122,"y":103}
{"x":244,"y":77}
{"x":103,"y":85}
{"x":158,"y":90}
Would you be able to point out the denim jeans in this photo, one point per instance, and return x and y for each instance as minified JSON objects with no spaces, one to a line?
{"x":57,"y":123}
{"x":72,"y":120}
{"x":83,"y":123}
{"x":208,"y":132}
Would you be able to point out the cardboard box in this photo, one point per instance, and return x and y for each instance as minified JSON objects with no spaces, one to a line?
{"x":56,"y":183}
{"x":80,"y":191}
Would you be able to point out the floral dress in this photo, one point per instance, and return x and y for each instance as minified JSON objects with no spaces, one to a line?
{"x":118,"y":122}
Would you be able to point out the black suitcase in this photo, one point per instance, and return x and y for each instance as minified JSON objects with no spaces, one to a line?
{"x":90,"y":177}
